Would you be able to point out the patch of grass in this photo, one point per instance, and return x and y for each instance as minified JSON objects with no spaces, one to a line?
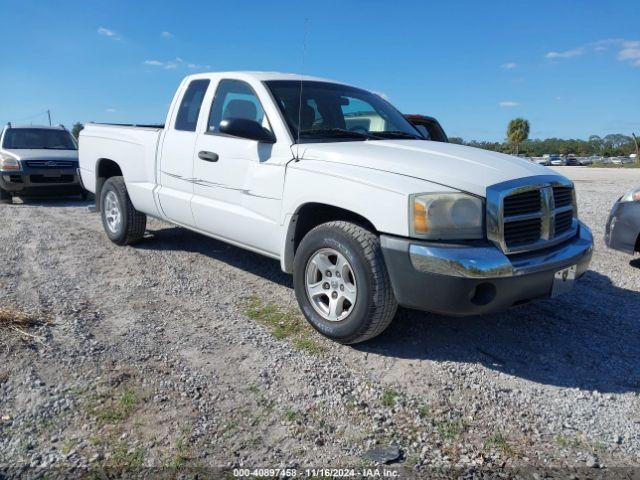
{"x":498,"y":440}
{"x":114,"y":410}
{"x":389,"y":396}
{"x":424,"y":411}
{"x":565,"y":441}
{"x":283,"y":324}
{"x":123,"y":456}
{"x":309,"y":345}
{"x":450,"y":428}
{"x":290,"y":414}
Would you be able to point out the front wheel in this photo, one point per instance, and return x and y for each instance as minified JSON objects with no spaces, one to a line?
{"x":341,"y":282}
{"x":122,"y":223}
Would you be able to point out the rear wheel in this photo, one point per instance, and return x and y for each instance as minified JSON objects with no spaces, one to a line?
{"x":341,"y":282}
{"x":122,"y":223}
{"x":5,"y":197}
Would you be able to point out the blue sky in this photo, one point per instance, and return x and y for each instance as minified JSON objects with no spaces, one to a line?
{"x":572,"y":68}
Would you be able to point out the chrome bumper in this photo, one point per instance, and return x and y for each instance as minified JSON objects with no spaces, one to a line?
{"x":489,"y":262}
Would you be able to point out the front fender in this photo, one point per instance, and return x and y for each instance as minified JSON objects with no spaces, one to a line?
{"x":379,"y":197}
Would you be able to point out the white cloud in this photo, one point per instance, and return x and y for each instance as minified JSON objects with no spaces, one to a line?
{"x":509,"y":65}
{"x":509,"y":104}
{"x":109,"y":33}
{"x":566,"y":54}
{"x":176,"y":63}
{"x":110,"y":110}
{"x":166,"y":34}
{"x":627,"y":50}
{"x":629,"y":54}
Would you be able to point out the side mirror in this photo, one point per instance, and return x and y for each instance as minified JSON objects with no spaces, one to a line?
{"x":244,"y":128}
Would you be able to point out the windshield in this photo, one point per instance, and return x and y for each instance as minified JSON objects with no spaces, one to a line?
{"x":331,"y":113}
{"x":38,"y":138}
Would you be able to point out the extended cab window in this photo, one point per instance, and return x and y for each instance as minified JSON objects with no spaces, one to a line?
{"x":189,"y":110}
{"x":235,"y":99}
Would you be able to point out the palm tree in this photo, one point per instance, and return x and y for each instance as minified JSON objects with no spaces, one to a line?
{"x":518,"y":132}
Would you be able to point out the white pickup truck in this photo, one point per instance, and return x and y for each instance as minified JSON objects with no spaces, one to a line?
{"x":335,"y":183}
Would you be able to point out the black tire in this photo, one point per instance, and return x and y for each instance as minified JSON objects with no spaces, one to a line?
{"x":5,"y":197}
{"x":375,"y":305}
{"x":133,"y":223}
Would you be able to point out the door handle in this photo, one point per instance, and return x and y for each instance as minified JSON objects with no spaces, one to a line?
{"x":208,"y":156}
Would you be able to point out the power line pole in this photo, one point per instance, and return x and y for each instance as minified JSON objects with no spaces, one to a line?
{"x":49,"y":115}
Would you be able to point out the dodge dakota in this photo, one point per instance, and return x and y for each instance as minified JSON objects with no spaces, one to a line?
{"x":336,"y":184}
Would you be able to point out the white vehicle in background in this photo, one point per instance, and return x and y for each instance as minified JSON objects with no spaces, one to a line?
{"x":337,"y":185}
{"x":557,"y":160}
{"x":541,"y":161}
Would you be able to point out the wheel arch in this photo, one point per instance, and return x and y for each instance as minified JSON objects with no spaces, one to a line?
{"x":308,"y":216}
{"x":105,"y":169}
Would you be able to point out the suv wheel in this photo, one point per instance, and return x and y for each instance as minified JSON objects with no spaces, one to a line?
{"x":5,"y":196}
{"x":122,"y":223}
{"x":341,"y":282}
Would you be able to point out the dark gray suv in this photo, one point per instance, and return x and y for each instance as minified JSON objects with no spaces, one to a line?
{"x":38,"y":160}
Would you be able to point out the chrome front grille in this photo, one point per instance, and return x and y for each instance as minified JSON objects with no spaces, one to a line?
{"x":530,"y":213}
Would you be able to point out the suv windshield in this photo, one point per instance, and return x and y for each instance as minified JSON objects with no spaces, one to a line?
{"x":38,"y":138}
{"x":331,"y":113}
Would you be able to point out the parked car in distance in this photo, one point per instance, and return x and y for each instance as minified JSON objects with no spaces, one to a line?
{"x":37,"y":160}
{"x":622,"y":160}
{"x":572,"y":160}
{"x":365,"y":218}
{"x":557,"y":160}
{"x":622,"y":231}
{"x":541,"y":161}
{"x":429,"y":127}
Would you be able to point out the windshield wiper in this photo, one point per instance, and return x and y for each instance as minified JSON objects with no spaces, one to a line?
{"x":338,"y":131}
{"x":398,"y":133}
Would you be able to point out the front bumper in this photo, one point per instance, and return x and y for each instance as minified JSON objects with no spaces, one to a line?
{"x":462,"y":280}
{"x":45,"y":180}
{"x":623,"y":227}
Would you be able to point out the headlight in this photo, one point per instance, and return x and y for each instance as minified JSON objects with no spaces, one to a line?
{"x":632,"y":195}
{"x":8,"y":162}
{"x":446,"y":216}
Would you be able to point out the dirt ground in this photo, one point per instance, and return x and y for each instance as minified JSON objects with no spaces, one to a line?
{"x":184,"y":353}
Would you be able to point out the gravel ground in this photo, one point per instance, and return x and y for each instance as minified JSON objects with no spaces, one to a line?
{"x":184,"y":352}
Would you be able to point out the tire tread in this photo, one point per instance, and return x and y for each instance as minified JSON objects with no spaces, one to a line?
{"x":136,"y":222}
{"x":384,"y":305}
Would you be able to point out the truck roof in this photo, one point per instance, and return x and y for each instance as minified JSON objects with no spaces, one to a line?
{"x":260,"y":76}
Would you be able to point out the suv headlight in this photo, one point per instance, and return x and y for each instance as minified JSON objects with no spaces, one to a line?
{"x":8,"y":162}
{"x":632,"y":195}
{"x":446,"y":216}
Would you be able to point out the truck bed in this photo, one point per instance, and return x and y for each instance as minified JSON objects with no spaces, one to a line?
{"x":133,"y":148}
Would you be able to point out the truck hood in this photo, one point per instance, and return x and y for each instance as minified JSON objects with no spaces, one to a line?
{"x":463,"y":168}
{"x":41,"y":154}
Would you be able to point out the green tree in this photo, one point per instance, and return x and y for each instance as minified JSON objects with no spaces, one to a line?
{"x":75,"y":131}
{"x":517,"y":132}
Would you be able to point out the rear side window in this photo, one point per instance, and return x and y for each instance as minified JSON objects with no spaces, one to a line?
{"x":190,"y":106}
